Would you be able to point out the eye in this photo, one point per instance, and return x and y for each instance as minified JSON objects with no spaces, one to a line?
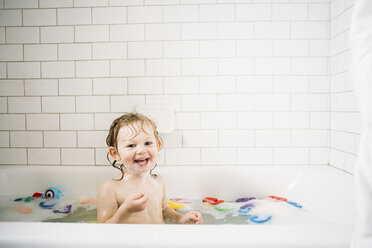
{"x":131,"y":145}
{"x":148,"y":143}
{"x":49,"y":194}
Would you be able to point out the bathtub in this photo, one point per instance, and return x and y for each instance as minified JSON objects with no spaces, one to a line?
{"x":324,"y":190}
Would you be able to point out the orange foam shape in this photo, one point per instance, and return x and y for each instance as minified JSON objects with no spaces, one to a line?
{"x":86,"y":201}
{"x":22,"y":209}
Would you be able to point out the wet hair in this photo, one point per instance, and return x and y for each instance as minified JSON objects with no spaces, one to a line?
{"x":128,"y":120}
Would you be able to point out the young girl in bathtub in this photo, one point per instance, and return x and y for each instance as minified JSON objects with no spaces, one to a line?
{"x":137,"y":195}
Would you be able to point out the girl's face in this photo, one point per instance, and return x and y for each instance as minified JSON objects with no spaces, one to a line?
{"x":137,"y":148}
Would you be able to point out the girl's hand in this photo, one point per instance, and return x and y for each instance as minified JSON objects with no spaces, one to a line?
{"x":136,"y":203}
{"x":192,"y":217}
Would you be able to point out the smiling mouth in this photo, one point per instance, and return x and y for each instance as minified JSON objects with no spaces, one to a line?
{"x":142,"y":162}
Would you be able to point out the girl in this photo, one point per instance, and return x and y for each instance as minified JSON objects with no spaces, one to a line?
{"x":137,"y":196}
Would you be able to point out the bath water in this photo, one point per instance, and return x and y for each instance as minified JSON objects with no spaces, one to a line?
{"x":83,"y":209}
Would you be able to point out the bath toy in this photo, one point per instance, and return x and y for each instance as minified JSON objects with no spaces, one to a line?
{"x":175,"y":205}
{"x":47,"y":204}
{"x":66,"y":210}
{"x":295,"y":204}
{"x":212,"y":200}
{"x":51,"y":193}
{"x":22,"y":209}
{"x":37,"y":195}
{"x":29,"y":199}
{"x":207,"y":204}
{"x":259,"y":219}
{"x":244,"y":211}
{"x":223,"y":208}
{"x":180,"y":200}
{"x":245,"y":199}
{"x":249,"y":205}
{"x":86,"y":201}
{"x":18,"y":199}
{"x":277,"y":198}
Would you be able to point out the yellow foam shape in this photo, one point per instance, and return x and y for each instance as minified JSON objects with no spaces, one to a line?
{"x":175,"y":205}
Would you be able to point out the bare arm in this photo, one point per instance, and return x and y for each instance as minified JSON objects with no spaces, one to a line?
{"x":168,"y":212}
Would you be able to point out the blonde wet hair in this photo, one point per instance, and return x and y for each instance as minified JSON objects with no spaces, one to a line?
{"x":129,"y":120}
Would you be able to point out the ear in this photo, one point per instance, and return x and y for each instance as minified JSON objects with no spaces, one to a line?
{"x":114,"y":153}
{"x":160,"y":144}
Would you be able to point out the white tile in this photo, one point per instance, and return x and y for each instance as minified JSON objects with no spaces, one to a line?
{"x":185,"y":121}
{"x":57,"y":34}
{"x":40,"y":52}
{"x":57,"y":69}
{"x":319,"y":48}
{"x":199,"y":103}
{"x":200,"y":138}
{"x":319,"y":84}
{"x":41,"y":87}
{"x":180,"y":49}
{"x":254,"y":48}
{"x":337,"y":158}
{"x":272,"y":30}
{"x":319,"y":12}
{"x":218,"y":156}
{"x":310,"y":138}
{"x":163,"y":67}
{"x":20,"y":4}
{"x":218,"y":120}
{"x":74,"y":16}
{"x":162,"y":32}
{"x":78,"y":156}
{"x":109,"y":15}
{"x":255,"y":120}
{"x":11,"y":88}
{"x":346,"y":121}
{"x":139,"y":50}
{"x":247,"y":84}
{"x":235,"y":66}
{"x":13,"y":156}
{"x":181,"y":13}
{"x":92,"y":138}
{"x":310,"y":66}
{"x":273,"y":138}
{"x":220,"y":12}
{"x":26,"y":139}
{"x":55,"y":3}
{"x":220,"y":84}
{"x":319,"y":120}
{"x":291,"y":156}
{"x":145,"y":14}
{"x":44,"y":156}
{"x":24,"y":105}
{"x":42,"y":121}
{"x":236,"y":138}
{"x":75,"y":86}
{"x":4,"y":139}
{"x":12,"y":122}
{"x":101,"y":158}
{"x":92,"y":104}
{"x":60,"y":139}
{"x":128,"y":32}
{"x":217,"y":48}
{"x":92,"y":33}
{"x":145,"y":85}
{"x":22,"y":35}
{"x":290,"y":48}
{"x":196,"y":67}
{"x":103,"y":121}
{"x":58,"y":104}
{"x":125,"y":103}
{"x":11,"y":52}
{"x":90,"y":3}
{"x":181,"y":85}
{"x":110,"y":50}
{"x":309,"y":30}
{"x":23,"y":70}
{"x":291,"y":120}
{"x":74,"y":51}
{"x":235,"y":102}
{"x":290,"y":12}
{"x":93,"y":68}
{"x":182,"y":156}
{"x":253,"y":12}
{"x":269,"y":66}
{"x":11,"y":17}
{"x":77,"y":121}
{"x":198,"y":31}
{"x":309,"y":102}
{"x":172,"y":100}
{"x":172,"y":140}
{"x":110,"y":86}
{"x":233,"y":30}
{"x":289,"y":84}
{"x":3,"y":105}
{"x":343,"y":141}
{"x":127,"y":68}
{"x":319,"y":155}
{"x":255,"y":156}
{"x":39,"y":17}
{"x":350,"y":163}
{"x":272,"y":102}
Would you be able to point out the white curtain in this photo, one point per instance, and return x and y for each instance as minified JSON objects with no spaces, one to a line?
{"x":361,"y":72}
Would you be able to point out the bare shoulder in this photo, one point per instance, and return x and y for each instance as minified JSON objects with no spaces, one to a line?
{"x":108,"y":187}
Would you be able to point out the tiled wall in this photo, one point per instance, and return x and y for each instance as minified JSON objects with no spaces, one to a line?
{"x":345,"y":120}
{"x":249,"y":79}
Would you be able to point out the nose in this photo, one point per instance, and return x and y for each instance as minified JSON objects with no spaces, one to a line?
{"x":141,"y":149}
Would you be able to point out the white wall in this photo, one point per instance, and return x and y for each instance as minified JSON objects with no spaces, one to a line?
{"x":250,"y":80}
{"x":345,"y":119}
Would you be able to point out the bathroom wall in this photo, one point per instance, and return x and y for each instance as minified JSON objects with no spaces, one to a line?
{"x":345,"y":119}
{"x":249,"y":79}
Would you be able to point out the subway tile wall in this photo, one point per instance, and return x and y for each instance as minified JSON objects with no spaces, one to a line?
{"x":345,"y":124}
{"x":252,"y":81}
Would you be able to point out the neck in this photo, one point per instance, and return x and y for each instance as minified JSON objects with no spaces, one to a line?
{"x":133,"y":176}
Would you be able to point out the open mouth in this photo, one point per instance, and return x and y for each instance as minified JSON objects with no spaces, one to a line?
{"x":142,"y":162}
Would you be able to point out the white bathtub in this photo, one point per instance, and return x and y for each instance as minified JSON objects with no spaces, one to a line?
{"x":322,"y":189}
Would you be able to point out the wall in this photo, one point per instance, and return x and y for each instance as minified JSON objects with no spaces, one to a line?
{"x":345,"y":119}
{"x":249,"y":79}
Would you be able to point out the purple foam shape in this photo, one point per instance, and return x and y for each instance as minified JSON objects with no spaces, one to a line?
{"x":249,"y":205}
{"x":66,"y":210}
{"x":245,"y":199}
